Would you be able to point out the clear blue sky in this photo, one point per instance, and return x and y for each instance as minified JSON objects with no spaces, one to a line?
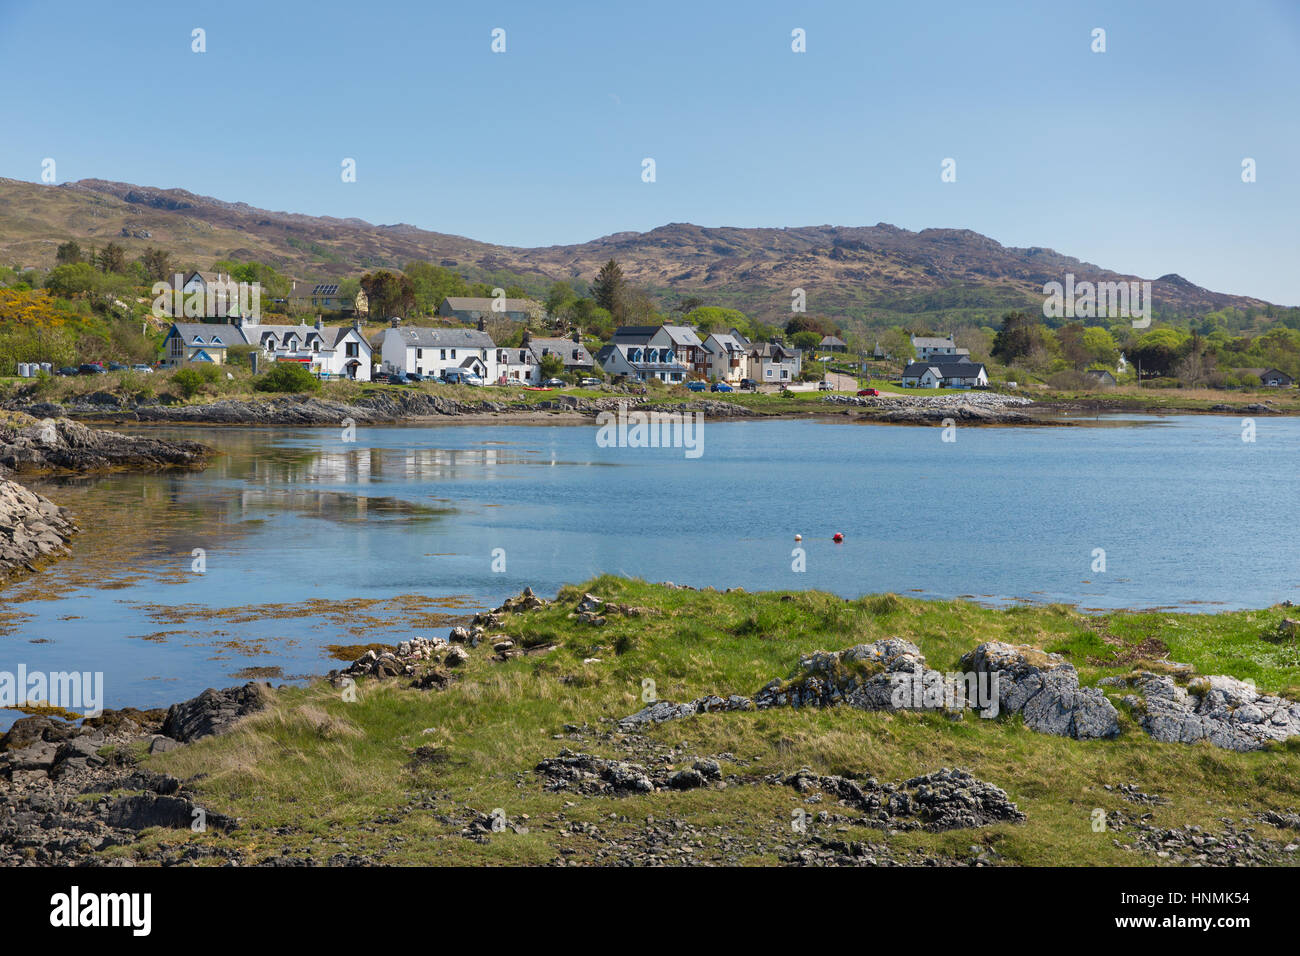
{"x":1130,"y":159}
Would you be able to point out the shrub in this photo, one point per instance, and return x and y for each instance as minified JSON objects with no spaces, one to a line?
{"x":287,"y":377}
{"x":188,"y":381}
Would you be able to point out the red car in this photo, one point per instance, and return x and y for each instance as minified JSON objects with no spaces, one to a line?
{"x":868,"y":391}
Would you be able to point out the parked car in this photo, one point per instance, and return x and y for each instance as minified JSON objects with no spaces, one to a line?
{"x":697,"y":386}
{"x":451,"y":376}
{"x":825,"y":387}
{"x":416,"y":377}
{"x":590,"y":382}
{"x":555,"y":383}
{"x":116,"y":367}
{"x":67,"y":370}
{"x":748,"y":385}
{"x":393,"y":379}
{"x":147,"y":369}
{"x":471,"y":379}
{"x":721,"y":387}
{"x":90,"y":368}
{"x":868,"y":391}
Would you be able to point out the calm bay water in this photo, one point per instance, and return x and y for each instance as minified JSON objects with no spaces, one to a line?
{"x":310,"y":541}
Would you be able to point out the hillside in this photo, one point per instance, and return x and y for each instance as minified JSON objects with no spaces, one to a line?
{"x":859,"y":275}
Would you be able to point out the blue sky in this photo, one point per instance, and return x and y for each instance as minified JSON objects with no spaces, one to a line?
{"x":1130,"y":158}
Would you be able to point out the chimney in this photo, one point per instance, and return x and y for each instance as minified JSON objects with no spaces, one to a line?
{"x":482,"y":324}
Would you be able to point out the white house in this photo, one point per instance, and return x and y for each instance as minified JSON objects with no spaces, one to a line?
{"x":334,"y":351}
{"x":928,"y":347}
{"x":774,"y":362}
{"x":432,"y":351}
{"x":939,"y":374}
{"x":728,"y":356}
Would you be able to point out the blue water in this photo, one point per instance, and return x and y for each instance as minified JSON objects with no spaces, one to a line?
{"x":1189,"y":516}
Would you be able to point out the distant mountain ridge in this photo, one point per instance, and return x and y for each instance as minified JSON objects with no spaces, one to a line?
{"x":857,"y":275}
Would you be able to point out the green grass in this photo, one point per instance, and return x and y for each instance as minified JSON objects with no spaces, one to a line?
{"x":335,"y":772}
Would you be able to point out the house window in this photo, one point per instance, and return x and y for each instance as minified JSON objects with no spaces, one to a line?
{"x":352,"y":350}
{"x":453,"y":354}
{"x":419,"y":353}
{"x":442,"y":354}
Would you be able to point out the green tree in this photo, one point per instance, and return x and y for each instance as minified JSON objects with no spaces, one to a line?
{"x":551,"y":366}
{"x":68,"y":253}
{"x":112,"y":258}
{"x":157,"y":265}
{"x":610,"y":288}
{"x":389,"y":293}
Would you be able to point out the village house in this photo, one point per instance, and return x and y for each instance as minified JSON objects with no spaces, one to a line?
{"x":188,"y":342}
{"x":322,"y":296}
{"x":432,"y":351}
{"x":688,"y":349}
{"x":643,"y":352}
{"x":774,"y":362}
{"x":203,"y":295}
{"x":470,"y":310}
{"x":937,"y":373}
{"x":341,"y":352}
{"x":1100,"y":377}
{"x":832,"y":343}
{"x":728,"y":356}
{"x":335,"y":351}
{"x":570,"y":351}
{"x":928,"y":347}
{"x":1269,"y":377}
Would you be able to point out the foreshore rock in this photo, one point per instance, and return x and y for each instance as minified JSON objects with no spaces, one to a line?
{"x":385,"y":408}
{"x":943,"y":800}
{"x":48,"y":765}
{"x":214,"y":711}
{"x":891,"y":674}
{"x":33,"y":529}
{"x":1044,"y":689}
{"x":59,"y":445}
{"x":1224,"y":711}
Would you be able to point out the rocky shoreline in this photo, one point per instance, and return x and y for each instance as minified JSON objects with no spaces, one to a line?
{"x":35,"y":530}
{"x":396,"y":407}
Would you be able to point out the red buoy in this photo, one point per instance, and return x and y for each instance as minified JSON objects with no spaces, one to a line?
{"x":837,"y":537}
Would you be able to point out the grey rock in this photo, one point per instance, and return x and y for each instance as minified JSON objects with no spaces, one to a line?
{"x":1044,"y":689}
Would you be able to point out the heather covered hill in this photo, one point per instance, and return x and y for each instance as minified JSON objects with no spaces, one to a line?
{"x":862,"y":275}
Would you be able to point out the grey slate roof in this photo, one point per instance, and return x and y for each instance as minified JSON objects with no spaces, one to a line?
{"x":561,"y":347}
{"x":445,"y":338}
{"x":470,"y":304}
{"x":966,"y":369}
